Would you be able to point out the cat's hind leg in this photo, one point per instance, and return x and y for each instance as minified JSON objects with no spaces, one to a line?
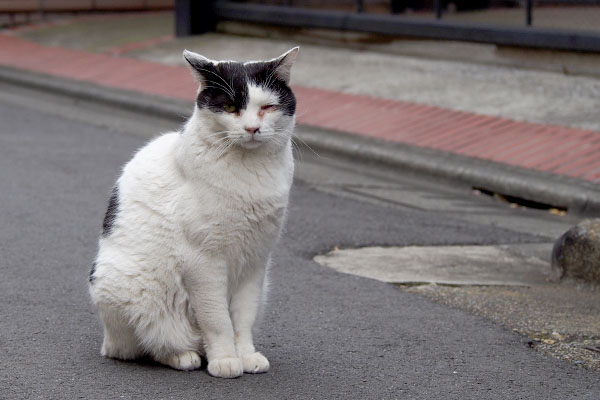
{"x":172,"y":342}
{"x":119,"y":338}
{"x":168,"y":341}
{"x":186,"y":361}
{"x":166,"y":333}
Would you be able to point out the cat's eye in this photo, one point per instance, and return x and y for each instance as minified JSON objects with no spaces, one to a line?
{"x":267,"y":107}
{"x":230,"y":108}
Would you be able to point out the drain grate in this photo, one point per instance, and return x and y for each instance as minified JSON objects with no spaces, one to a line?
{"x":517,"y":202}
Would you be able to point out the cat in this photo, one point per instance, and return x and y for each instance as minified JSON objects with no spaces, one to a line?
{"x":192,"y":221}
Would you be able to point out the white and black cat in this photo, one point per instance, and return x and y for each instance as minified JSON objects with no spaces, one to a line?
{"x":192,"y":221}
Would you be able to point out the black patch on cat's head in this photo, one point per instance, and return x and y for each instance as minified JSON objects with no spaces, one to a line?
{"x":226,"y":83}
{"x":111,"y":212}
{"x":93,"y":270}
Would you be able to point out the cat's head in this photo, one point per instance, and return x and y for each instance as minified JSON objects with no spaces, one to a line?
{"x":248,"y":105}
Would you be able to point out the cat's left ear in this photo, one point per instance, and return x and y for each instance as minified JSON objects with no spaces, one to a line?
{"x":199,"y":64}
{"x":283,"y":64}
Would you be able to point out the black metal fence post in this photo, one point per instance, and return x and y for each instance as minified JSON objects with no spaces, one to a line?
{"x":397,"y":6}
{"x":528,"y":12}
{"x":194,"y":17}
{"x":360,"y":7}
{"x":437,"y":5}
{"x":41,"y":9}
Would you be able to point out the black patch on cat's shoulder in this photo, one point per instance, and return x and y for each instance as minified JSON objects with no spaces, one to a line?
{"x":263,"y":74}
{"x":93,"y":270}
{"x":111,"y":212}
{"x":223,"y":84}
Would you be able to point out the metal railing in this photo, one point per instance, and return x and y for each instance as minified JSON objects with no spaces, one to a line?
{"x":15,"y":12}
{"x":194,"y":17}
{"x":45,"y":6}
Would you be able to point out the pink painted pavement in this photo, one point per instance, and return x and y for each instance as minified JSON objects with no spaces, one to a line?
{"x":555,"y":149}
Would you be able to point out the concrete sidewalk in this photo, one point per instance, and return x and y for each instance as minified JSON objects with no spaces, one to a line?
{"x":464,"y":116}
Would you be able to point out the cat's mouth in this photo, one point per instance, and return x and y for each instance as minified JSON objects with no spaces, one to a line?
{"x":251,"y":143}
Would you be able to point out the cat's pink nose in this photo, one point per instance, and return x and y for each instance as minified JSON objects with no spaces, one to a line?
{"x":251,"y":130}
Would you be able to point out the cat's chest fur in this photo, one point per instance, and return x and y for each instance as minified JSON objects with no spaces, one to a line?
{"x":207,"y":217}
{"x":234,"y":206}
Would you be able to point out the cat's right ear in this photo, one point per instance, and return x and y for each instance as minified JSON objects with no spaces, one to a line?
{"x":199,"y":64}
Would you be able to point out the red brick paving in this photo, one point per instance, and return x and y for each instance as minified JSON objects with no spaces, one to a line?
{"x":568,"y":151}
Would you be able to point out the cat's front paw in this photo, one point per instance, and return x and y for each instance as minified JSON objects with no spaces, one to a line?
{"x":255,"y":363}
{"x":186,"y":361}
{"x":225,"y":367}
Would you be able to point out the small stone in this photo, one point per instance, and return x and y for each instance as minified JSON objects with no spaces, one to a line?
{"x":557,"y":211}
{"x":548,"y":341}
{"x":576,"y":253}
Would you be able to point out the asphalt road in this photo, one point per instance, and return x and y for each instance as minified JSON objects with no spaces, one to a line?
{"x":327,"y":335}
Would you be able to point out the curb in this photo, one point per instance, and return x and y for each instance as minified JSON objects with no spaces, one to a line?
{"x":577,"y":196}
{"x":138,"y":102}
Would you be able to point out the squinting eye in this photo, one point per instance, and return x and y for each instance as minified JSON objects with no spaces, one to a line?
{"x":230,"y":108}
{"x":267,"y":107}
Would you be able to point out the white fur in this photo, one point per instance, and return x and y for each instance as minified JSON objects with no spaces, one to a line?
{"x":199,"y":213}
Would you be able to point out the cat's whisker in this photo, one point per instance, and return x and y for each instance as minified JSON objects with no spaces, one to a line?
{"x":224,"y":142}
{"x":219,"y":143}
{"x":298,"y":149}
{"x":216,"y":142}
{"x":229,"y":88}
{"x":227,"y":147}
{"x":217,"y":134}
{"x":231,"y":82}
{"x":217,"y":75}
{"x":270,"y":77}
{"x":310,"y":148}
{"x":302,"y":114}
{"x":217,"y":85}
{"x":220,"y":87}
